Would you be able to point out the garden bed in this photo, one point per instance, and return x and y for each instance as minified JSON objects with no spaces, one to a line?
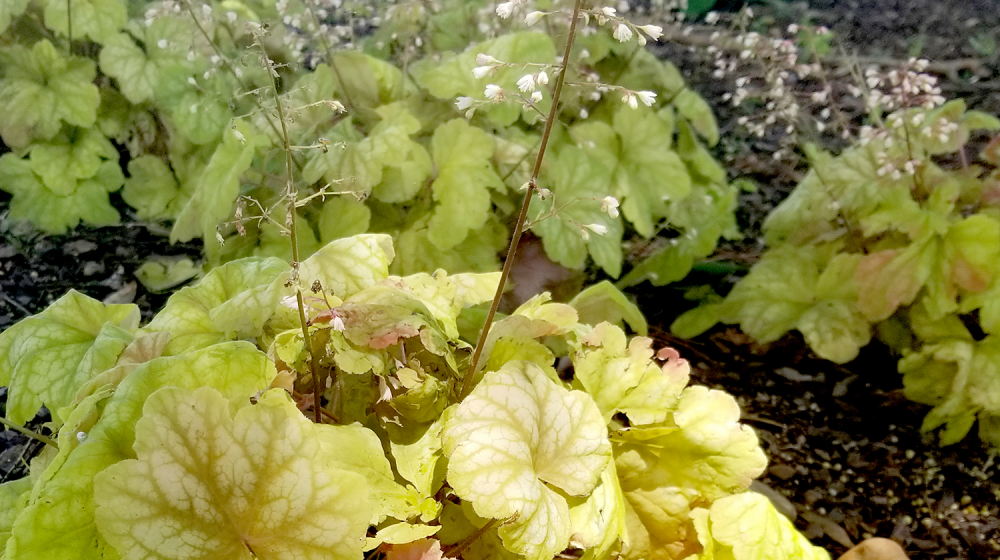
{"x":844,"y":444}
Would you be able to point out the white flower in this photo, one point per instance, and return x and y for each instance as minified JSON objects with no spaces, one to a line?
{"x":526,"y":83}
{"x":654,"y":31}
{"x":484,"y":59}
{"x":533,"y":17}
{"x":536,"y":96}
{"x":609,"y":204}
{"x":584,"y":113}
{"x":647,"y":97}
{"x":712,"y":18}
{"x":793,"y":28}
{"x":480,"y":72}
{"x":622,"y":32}
{"x":610,"y":12}
{"x":162,"y":43}
{"x":338,"y":323}
{"x":463,"y":103}
{"x":505,"y":9}
{"x":493,"y":92}
{"x":542,"y":78}
{"x":599,"y":229}
{"x":629,"y":97}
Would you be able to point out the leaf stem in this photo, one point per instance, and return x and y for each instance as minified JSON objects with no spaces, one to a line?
{"x":290,"y":192}
{"x":28,"y":433}
{"x":523,"y":214}
{"x":459,"y":548}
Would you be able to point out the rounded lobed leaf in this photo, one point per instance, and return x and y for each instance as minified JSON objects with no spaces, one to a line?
{"x":206,"y":485}
{"x":517,"y":445}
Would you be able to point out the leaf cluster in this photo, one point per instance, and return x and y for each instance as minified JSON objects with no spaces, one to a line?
{"x":180,"y":88}
{"x":185,"y":438}
{"x":888,"y":240}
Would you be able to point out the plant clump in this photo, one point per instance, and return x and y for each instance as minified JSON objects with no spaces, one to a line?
{"x":186,"y":437}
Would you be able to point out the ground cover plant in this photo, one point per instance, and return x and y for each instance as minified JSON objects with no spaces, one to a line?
{"x":896,"y":235}
{"x":188,"y":437}
{"x":374,"y":132}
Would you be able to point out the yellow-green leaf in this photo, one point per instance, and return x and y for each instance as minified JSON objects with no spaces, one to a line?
{"x":207,"y":485}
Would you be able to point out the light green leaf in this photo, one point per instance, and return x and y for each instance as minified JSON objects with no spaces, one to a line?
{"x":478,"y":253}
{"x":747,"y":527}
{"x":347,"y":266}
{"x":445,"y":296}
{"x":9,"y":11}
{"x":206,"y":484}
{"x":343,"y":216}
{"x":158,"y":274}
{"x":603,"y":302}
{"x":835,"y":330}
{"x":41,"y":89}
{"x":152,"y":189}
{"x":402,"y":533}
{"x":59,"y":520}
{"x":56,"y":212}
{"x":699,"y":160}
{"x":625,"y":379}
{"x":197,"y":106}
{"x":506,"y":459}
{"x":697,"y":111}
{"x":99,"y":20}
{"x":13,"y":496}
{"x":650,"y":175}
{"x":232,"y":301}
{"x":123,"y":60}
{"x":453,"y":77}
{"x":579,"y":182}
{"x":695,"y":321}
{"x":465,"y":174}
{"x":46,"y":358}
{"x":708,"y":452}
{"x":70,"y":158}
{"x":599,"y":521}
{"x":217,"y":186}
{"x":357,"y":449}
{"x":419,"y":461}
{"x":366,"y":80}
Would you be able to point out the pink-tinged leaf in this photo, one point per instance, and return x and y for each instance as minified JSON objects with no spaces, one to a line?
{"x":424,"y":549}
{"x":887,"y":280}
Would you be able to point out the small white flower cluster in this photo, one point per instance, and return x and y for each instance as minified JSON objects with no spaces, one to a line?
{"x":900,"y":126}
{"x":903,"y":87}
{"x":528,"y":82}
{"x":505,"y":9}
{"x":632,"y":98}
{"x":622,"y":29}
{"x":585,"y":229}
{"x":774,"y":78}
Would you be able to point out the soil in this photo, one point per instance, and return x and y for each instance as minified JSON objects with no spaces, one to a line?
{"x":847,"y":458}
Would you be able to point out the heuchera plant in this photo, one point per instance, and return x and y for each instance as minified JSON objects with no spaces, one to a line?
{"x":186,"y":438}
{"x":379,"y":142}
{"x":882,"y":239}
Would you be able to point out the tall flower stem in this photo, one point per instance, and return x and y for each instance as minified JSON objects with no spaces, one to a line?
{"x":291,"y":193}
{"x":523,"y":215}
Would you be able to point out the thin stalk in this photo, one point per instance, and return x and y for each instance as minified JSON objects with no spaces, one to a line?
{"x":69,"y":25}
{"x":459,"y":548}
{"x":290,"y":192}
{"x":28,"y":433}
{"x":229,"y":64}
{"x":329,"y":57}
{"x":522,"y":216}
